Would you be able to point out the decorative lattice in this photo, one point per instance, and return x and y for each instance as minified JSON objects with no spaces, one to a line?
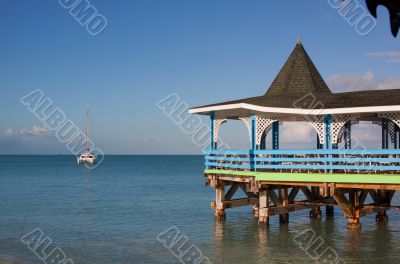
{"x":247,"y":121}
{"x":394,"y":116}
{"x":217,"y":124}
{"x":319,"y":125}
{"x":341,"y":132}
{"x":264,"y":124}
{"x":391,"y":129}
{"x":338,"y":122}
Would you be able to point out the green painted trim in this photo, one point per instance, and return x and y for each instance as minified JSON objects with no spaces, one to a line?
{"x":313,"y":177}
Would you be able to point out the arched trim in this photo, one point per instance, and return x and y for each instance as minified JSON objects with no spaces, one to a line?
{"x":391,"y":129}
{"x":217,"y":124}
{"x":262,"y":124}
{"x":393,"y":116}
{"x":341,"y":132}
{"x":317,"y":122}
{"x":338,"y":122}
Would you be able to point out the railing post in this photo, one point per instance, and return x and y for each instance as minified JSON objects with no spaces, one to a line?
{"x":212,"y":140}
{"x":385,"y":134}
{"x":319,"y":145}
{"x":328,"y":139}
{"x":253,"y":141}
{"x":275,"y":135}
{"x":347,"y":135}
{"x":275,"y":139}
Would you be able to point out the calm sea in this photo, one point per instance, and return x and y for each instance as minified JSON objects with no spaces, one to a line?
{"x":114,"y":214}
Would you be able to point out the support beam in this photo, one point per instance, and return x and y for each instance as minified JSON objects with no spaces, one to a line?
{"x":385,"y":133}
{"x":384,"y":198}
{"x":315,"y":212}
{"x":293,"y":193}
{"x":231,"y":191}
{"x":263,"y":201}
{"x":328,"y":136}
{"x":396,"y":144}
{"x":381,"y":216}
{"x":212,"y":140}
{"x":354,"y":221}
{"x":274,"y":198}
{"x":285,"y":210}
{"x":330,"y":211}
{"x":263,"y":144}
{"x":363,"y":197}
{"x":253,"y":123}
{"x":344,"y":203}
{"x":310,"y":196}
{"x":398,"y":136}
{"x":219,"y":202}
{"x":275,"y":135}
{"x":240,"y":202}
{"x":284,"y":197}
{"x":347,"y":135}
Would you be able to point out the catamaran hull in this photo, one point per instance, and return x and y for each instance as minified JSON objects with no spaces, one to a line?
{"x":85,"y":160}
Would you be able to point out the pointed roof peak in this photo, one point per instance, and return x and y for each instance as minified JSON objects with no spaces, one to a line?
{"x":298,"y":77}
{"x":299,"y":40}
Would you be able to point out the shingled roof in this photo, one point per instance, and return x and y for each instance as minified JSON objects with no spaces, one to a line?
{"x":299,"y":78}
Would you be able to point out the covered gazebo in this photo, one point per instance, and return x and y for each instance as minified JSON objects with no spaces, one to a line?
{"x":299,"y":93}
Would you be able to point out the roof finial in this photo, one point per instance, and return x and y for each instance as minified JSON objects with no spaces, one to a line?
{"x":298,"y":40}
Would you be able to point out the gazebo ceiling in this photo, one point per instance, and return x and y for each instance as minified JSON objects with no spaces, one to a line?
{"x":299,"y":89}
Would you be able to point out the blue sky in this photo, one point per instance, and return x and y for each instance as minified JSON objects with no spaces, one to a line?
{"x":204,"y":51}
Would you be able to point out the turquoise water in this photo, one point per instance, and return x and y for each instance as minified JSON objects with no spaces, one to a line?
{"x":114,"y":214}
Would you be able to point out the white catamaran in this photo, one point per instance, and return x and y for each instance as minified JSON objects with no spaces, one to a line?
{"x":86,"y":157}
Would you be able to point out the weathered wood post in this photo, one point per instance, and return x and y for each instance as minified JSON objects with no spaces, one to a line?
{"x":219,"y":201}
{"x":330,"y":211}
{"x":385,"y":198}
{"x":263,"y":203}
{"x":283,"y":195}
{"x":316,"y":211}
{"x":354,"y":220}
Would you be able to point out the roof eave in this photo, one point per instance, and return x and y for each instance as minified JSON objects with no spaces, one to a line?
{"x":295,"y":111}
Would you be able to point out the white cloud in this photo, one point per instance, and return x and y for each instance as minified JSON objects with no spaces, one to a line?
{"x":8,"y":132}
{"x":38,"y":130}
{"x":24,"y":132}
{"x":297,"y":132}
{"x":356,"y":82}
{"x":391,"y":56}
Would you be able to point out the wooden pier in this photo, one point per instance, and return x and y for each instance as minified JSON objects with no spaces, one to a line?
{"x":271,"y":196}
{"x":276,"y":181}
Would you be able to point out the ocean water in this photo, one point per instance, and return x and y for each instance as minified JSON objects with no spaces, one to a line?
{"x":113,"y":214}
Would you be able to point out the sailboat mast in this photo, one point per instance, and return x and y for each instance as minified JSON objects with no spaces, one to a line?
{"x":86,"y":143}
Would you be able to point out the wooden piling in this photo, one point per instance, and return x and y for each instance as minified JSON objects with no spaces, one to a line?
{"x":263,"y":207}
{"x":284,"y":197}
{"x":219,"y":201}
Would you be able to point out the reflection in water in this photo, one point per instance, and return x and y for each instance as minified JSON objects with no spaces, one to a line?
{"x":241,"y":240}
{"x":353,"y":243}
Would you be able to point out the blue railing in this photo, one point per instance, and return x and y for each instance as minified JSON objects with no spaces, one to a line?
{"x":310,"y":161}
